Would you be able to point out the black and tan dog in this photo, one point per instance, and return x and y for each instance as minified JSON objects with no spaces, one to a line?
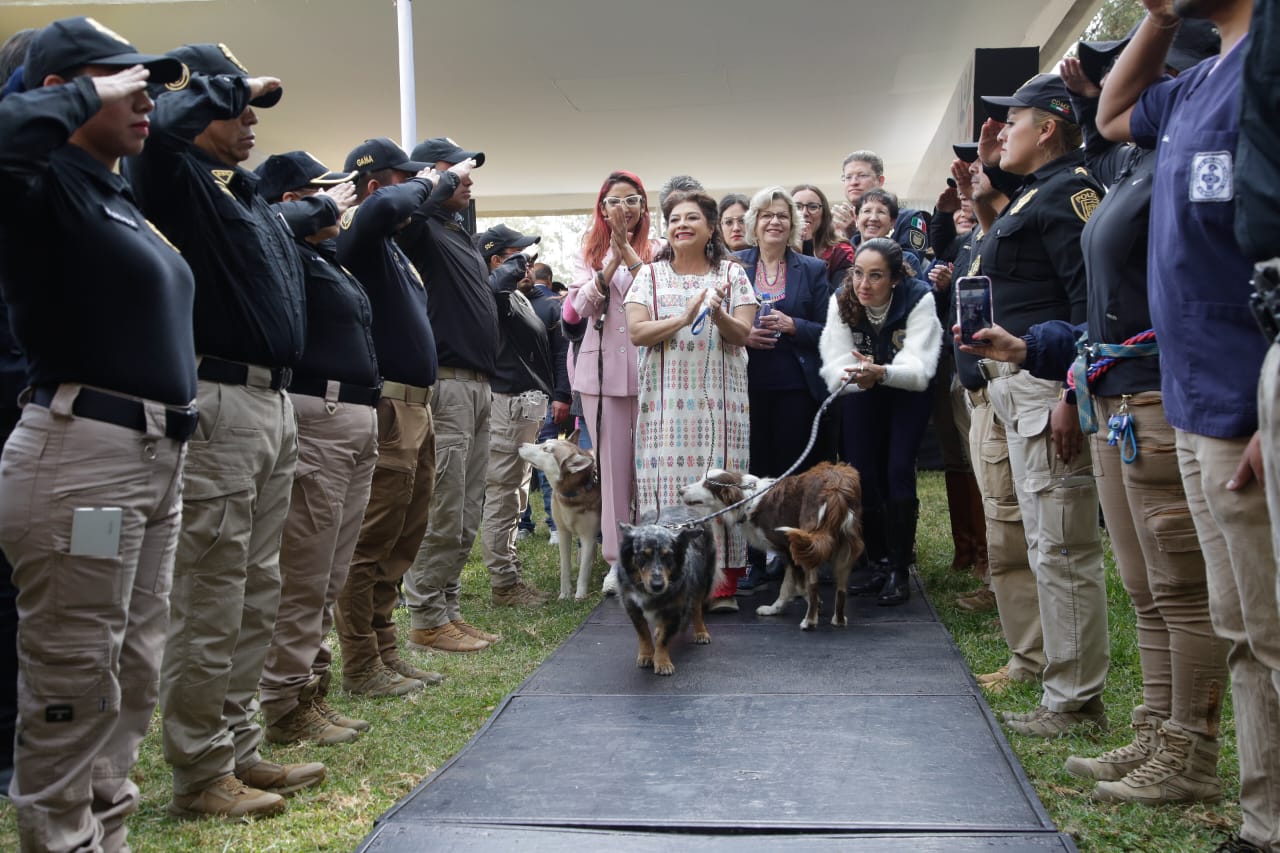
{"x":807,"y":519}
{"x":667,"y":574}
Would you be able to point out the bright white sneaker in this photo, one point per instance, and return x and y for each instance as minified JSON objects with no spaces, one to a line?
{"x":610,"y":585}
{"x":553,"y":538}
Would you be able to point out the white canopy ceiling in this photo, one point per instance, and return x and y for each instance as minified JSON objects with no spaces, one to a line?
{"x":560,"y":92}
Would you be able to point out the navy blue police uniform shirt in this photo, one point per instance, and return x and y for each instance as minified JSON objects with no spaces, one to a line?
{"x":464,"y":312}
{"x":402,"y":330}
{"x":250,"y":296}
{"x":339,"y":320}
{"x":1032,"y":252}
{"x":97,"y":296}
{"x":548,"y":308}
{"x":1198,"y":280}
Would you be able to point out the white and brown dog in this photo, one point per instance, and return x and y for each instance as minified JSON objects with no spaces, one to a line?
{"x":575,"y":503}
{"x":807,"y":519}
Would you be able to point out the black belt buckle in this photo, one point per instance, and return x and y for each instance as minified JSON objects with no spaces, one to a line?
{"x":180,"y":424}
{"x":1265,"y":299}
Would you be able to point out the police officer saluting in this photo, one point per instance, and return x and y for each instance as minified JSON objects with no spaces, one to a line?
{"x":334,"y":390}
{"x":249,"y":329}
{"x":89,"y":482}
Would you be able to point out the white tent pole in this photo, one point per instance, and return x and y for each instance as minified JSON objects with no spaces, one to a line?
{"x":408,"y":99}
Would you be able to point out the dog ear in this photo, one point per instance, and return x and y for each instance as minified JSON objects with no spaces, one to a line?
{"x":580,"y":462}
{"x":573,"y":437}
{"x":750,"y":481}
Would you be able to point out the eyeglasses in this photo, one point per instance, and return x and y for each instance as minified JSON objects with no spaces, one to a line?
{"x":857,"y":176}
{"x":770,"y":216}
{"x":811,"y":206}
{"x":629,"y":201}
{"x":732,"y":221}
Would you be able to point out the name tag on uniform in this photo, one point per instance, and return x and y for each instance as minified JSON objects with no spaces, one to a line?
{"x":120,"y":217}
{"x":1211,"y":176}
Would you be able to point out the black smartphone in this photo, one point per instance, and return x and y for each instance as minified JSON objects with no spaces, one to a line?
{"x":973,"y":307}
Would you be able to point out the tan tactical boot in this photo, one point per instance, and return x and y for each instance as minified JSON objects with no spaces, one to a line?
{"x":330,"y":713}
{"x":281,"y":778}
{"x":518,"y":594}
{"x":228,"y":797}
{"x":408,"y":670}
{"x":1051,"y":724}
{"x":1113,"y":765}
{"x":444,"y":638}
{"x":304,"y":723}
{"x":472,"y":631}
{"x":378,"y":680}
{"x":1183,"y":770}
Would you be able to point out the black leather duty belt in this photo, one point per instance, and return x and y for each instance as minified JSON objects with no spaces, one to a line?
{"x":179,"y":424}
{"x":347,"y":392}
{"x":213,"y":369}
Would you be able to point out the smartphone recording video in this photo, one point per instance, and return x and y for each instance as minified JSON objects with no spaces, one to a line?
{"x":973,"y":307}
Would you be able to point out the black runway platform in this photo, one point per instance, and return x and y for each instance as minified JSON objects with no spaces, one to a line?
{"x":872,"y":737}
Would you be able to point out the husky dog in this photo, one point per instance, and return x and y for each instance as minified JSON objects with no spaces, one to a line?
{"x":575,"y":503}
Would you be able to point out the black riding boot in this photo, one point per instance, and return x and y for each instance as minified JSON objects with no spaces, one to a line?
{"x":872,"y":568}
{"x":901,"y":515}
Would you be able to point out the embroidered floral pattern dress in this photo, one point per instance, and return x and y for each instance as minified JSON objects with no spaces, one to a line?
{"x":693,"y":396}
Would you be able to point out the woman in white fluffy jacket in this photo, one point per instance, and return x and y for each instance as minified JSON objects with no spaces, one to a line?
{"x":883,"y":334}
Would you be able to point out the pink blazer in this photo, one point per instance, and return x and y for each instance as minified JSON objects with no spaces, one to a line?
{"x":620,"y":358}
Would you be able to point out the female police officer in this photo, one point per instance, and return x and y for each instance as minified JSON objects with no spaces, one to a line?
{"x":1032,"y":256}
{"x":90,"y":488}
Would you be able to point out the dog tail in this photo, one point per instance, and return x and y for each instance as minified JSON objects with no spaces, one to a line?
{"x":837,"y":524}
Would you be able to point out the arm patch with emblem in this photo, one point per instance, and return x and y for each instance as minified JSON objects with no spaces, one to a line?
{"x":1084,"y":203}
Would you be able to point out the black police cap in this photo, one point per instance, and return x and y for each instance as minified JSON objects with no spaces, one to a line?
{"x":1044,"y":92}
{"x":966,"y":151}
{"x":212,"y":59}
{"x":443,"y":148}
{"x":374,"y":155}
{"x":500,"y":237}
{"x":72,"y":43}
{"x":1197,"y":40}
{"x":294,"y":170}
{"x":1096,"y":57}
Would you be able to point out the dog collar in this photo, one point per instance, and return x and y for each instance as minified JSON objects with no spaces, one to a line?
{"x":588,"y":488}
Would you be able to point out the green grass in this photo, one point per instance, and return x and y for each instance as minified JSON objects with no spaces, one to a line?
{"x":413,"y":736}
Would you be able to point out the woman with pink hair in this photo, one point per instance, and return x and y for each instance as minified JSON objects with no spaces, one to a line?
{"x":613,"y":250}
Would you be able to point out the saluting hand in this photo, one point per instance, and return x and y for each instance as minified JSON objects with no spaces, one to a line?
{"x":343,"y":195}
{"x":1077,"y":82}
{"x":430,"y":174}
{"x":259,"y":86}
{"x":463,"y":167}
{"x":1161,"y":11}
{"x":118,"y":86}
{"x":989,"y":142}
{"x":964,"y":180}
{"x":949,"y":199}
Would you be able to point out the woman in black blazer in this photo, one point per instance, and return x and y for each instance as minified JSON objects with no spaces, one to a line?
{"x":783,"y":383}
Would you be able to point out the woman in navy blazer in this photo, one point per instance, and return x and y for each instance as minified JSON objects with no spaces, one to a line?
{"x":783,"y":384}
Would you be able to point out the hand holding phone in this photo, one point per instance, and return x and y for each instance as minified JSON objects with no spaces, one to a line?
{"x":973,"y":307}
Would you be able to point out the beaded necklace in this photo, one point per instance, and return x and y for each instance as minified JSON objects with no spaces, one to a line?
{"x":771,"y":290}
{"x":877,"y":315}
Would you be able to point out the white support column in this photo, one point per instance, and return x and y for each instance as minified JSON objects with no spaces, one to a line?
{"x":408,"y":97}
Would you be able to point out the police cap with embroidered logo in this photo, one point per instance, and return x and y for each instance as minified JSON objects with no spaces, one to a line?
{"x":73,"y":43}
{"x":1044,"y":92}
{"x":500,"y":237}
{"x":295,"y":170}
{"x":374,"y":155}
{"x":444,"y":148}
{"x":214,"y":59}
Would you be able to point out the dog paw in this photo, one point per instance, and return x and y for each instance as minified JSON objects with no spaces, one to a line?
{"x":702,"y":637}
{"x":768,"y":610}
{"x":564,"y":596}
{"x":644,"y":661}
{"x":840,"y":621}
{"x":806,"y":625}
{"x":667,"y":668}
{"x":578,"y":596}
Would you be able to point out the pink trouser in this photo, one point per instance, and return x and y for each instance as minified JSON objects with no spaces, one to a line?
{"x":616,"y":455}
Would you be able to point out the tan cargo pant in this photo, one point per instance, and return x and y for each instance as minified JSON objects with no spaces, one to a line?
{"x":90,"y":629}
{"x":1017,"y":599}
{"x":513,"y":421}
{"x":1059,"y":505}
{"x":1153,"y":537}
{"x":337,"y":449}
{"x":226,"y":580}
{"x":432,"y":586}
{"x":394,"y":522}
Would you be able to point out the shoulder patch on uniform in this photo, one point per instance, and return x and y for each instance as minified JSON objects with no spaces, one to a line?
{"x":1024,"y":200}
{"x":917,"y":239}
{"x":160,"y":234}
{"x":1084,"y":203}
{"x":182,"y":82}
{"x":347,"y":216}
{"x":231,"y":57}
{"x":1080,"y":170}
{"x":223,"y":176}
